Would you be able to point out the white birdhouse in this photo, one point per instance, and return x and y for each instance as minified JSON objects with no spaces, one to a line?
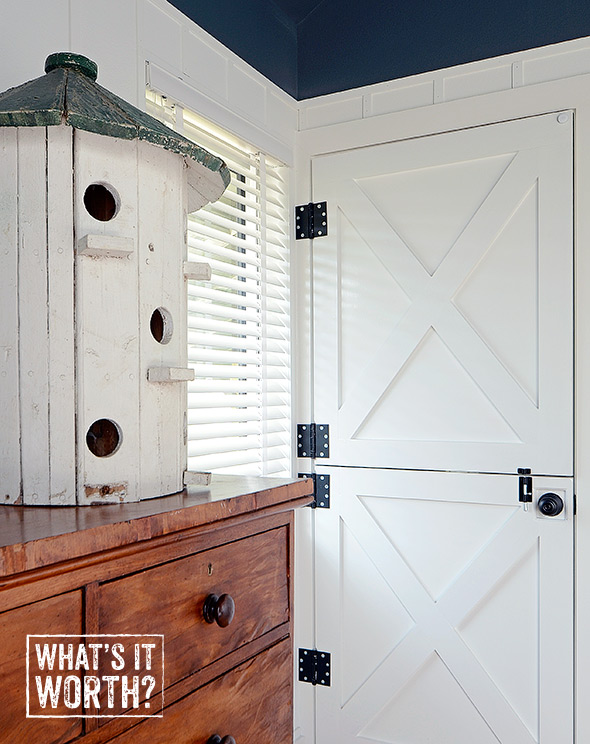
{"x":94,"y":196}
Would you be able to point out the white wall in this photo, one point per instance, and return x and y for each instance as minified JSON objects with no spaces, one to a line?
{"x":121,"y":36}
{"x":104,"y":31}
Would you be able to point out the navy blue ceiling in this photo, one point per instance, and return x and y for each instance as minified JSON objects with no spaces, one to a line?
{"x":297,"y":10}
{"x":313,"y":47}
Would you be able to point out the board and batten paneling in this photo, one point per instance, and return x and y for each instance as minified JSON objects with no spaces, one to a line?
{"x":518,"y":70}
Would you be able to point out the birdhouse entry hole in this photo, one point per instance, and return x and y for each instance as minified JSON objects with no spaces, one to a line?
{"x":101,"y":201}
{"x":161,"y":325}
{"x":104,"y":438}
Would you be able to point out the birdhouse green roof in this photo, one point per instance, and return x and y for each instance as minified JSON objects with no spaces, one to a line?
{"x":69,"y":94}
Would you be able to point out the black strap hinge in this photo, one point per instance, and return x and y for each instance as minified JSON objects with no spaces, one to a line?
{"x":321,"y":489}
{"x":313,"y":440}
{"x":311,"y":220}
{"x":314,"y":666}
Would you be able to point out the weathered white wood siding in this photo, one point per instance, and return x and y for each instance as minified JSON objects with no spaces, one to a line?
{"x":32,"y":313}
{"x":60,"y":283}
{"x":162,"y":251}
{"x":10,"y":471}
{"x":107,"y":321}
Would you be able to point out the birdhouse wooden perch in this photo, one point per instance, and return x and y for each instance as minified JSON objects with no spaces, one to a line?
{"x":94,"y":196}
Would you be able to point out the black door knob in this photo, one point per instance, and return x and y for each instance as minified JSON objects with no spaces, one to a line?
{"x":550,"y":504}
{"x":216,"y":739}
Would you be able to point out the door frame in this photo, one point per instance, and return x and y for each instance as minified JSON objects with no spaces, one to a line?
{"x":566,"y":93}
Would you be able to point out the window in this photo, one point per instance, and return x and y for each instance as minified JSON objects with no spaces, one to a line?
{"x":238,"y":323}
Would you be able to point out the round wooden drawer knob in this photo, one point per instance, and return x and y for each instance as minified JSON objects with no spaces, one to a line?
{"x":220,"y":610}
{"x":216,"y":739}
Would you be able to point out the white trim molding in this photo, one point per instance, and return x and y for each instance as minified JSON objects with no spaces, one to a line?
{"x":185,"y":62}
{"x":531,"y":67}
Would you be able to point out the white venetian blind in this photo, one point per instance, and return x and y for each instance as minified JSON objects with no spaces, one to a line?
{"x":238,"y":323}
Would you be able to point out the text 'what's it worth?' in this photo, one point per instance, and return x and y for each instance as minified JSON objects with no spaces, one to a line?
{"x":94,"y":676}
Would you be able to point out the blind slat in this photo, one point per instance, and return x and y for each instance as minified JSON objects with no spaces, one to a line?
{"x":243,"y":315}
{"x":203,"y":229}
{"x":220,"y":415}
{"x":210,"y":446}
{"x":222,"y":326}
{"x":219,"y":356}
{"x":218,"y":341}
{"x":246,"y":385}
{"x":227,"y":371}
{"x":245,"y":227}
{"x":218,"y":401}
{"x":249,"y":299}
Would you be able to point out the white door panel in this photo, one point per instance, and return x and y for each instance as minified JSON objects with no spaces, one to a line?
{"x":443,"y":300}
{"x":447,"y":608}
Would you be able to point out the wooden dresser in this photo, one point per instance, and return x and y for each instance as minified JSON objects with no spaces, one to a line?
{"x":209,"y":569}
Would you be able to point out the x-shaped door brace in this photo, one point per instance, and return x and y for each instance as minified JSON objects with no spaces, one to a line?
{"x":432,"y":300}
{"x":436,"y":621}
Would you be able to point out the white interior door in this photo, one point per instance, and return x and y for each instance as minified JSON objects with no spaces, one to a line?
{"x":443,"y":328}
{"x":443,"y":300}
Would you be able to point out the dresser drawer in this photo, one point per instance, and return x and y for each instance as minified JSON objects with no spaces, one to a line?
{"x":58,"y":615}
{"x":252,"y":703}
{"x":169,"y":600}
